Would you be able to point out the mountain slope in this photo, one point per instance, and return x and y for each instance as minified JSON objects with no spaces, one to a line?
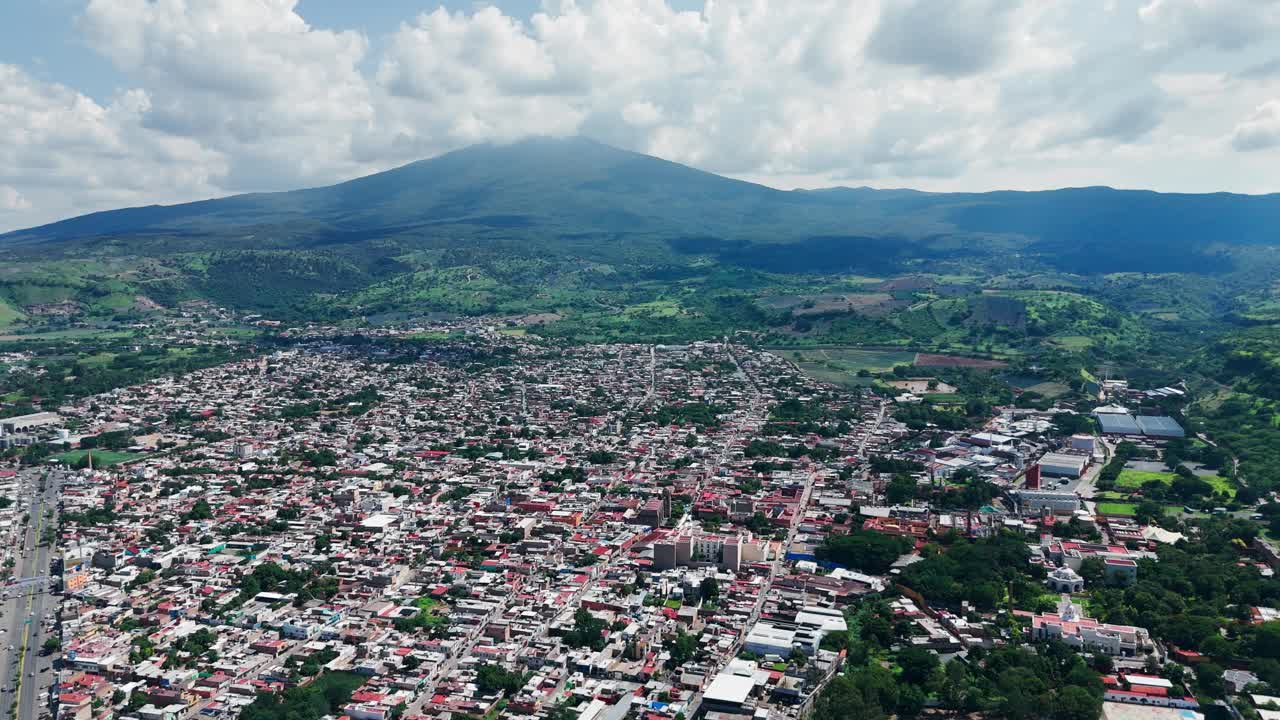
{"x":574,"y":226}
{"x":574,"y":184}
{"x":549,"y":188}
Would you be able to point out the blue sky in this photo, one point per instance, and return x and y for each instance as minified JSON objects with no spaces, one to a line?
{"x":107,"y":103}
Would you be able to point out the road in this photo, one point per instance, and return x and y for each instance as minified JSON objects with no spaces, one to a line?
{"x":24,"y":671}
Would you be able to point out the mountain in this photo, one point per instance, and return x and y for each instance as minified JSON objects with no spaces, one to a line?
{"x":575,"y":187}
{"x":556,"y":218}
{"x":571,"y":184}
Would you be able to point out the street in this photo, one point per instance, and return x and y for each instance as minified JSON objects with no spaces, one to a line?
{"x":24,"y":671}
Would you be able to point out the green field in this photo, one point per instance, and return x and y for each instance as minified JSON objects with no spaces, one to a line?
{"x":101,"y":458}
{"x":9,"y":314}
{"x":1135,"y":479}
{"x":1114,"y":508}
{"x":71,"y":334}
{"x":841,"y":365}
{"x":1072,"y":342}
{"x":944,"y":398}
{"x":1050,"y":389}
{"x":1220,"y":484}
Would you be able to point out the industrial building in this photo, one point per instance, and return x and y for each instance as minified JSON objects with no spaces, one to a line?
{"x":27,"y":423}
{"x":1118,"y":424}
{"x":1084,"y":443}
{"x":1158,"y":427}
{"x":1033,"y":502}
{"x":1063,"y":465}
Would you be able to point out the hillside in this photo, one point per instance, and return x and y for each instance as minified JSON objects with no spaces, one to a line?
{"x":612,"y":243}
{"x":573,"y":187}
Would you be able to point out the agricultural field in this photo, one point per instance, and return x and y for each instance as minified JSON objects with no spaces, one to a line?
{"x":9,"y":315}
{"x":1050,"y":389}
{"x":852,"y":359}
{"x":842,"y":365}
{"x":947,"y":361}
{"x":876,"y":304}
{"x":1074,"y":343}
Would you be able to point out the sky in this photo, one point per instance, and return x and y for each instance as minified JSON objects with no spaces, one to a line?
{"x":112,"y":103}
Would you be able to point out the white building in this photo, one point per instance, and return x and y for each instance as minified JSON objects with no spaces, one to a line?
{"x":1063,"y":465}
{"x":1034,"y":502}
{"x":1071,"y":626}
{"x":1065,"y":580}
{"x":768,"y":639}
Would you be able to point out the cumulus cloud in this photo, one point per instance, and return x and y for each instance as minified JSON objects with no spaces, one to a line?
{"x":1225,"y":25}
{"x":62,"y":153}
{"x":236,"y":95}
{"x":249,"y":79}
{"x":11,"y":199}
{"x":958,"y":37}
{"x":1259,"y":131}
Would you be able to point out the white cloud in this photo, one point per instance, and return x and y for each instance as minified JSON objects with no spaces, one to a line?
{"x":61,"y":153}
{"x":231,"y":95}
{"x":1259,"y":131}
{"x":1225,"y":25}
{"x":11,"y":199}
{"x":953,"y":38}
{"x":248,"y":78}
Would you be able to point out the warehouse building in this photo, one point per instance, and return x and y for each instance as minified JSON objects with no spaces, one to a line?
{"x":1063,"y":465}
{"x":1118,"y":424}
{"x":27,"y":423}
{"x":1159,"y":426}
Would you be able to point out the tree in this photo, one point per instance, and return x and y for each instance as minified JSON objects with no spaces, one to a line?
{"x":911,"y":700}
{"x":868,"y":551}
{"x":918,"y":665}
{"x":1209,"y":680}
{"x":494,"y":678}
{"x":956,"y":688}
{"x":1266,"y":641}
{"x":1148,"y":512}
{"x":900,"y":490}
{"x":199,"y":511}
{"x":588,"y":631}
{"x":682,"y":649}
{"x":1092,"y":569}
{"x":709,"y":589}
{"x":843,"y":700}
{"x":1076,"y":703}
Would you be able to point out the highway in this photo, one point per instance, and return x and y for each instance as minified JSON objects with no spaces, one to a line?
{"x":24,"y":671}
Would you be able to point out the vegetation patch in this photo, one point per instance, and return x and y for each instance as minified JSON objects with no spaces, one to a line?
{"x":935,"y":360}
{"x":1134,"y":479}
{"x":1115,"y":508}
{"x":101,"y":458}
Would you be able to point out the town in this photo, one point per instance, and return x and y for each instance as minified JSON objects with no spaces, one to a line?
{"x":497,"y":526}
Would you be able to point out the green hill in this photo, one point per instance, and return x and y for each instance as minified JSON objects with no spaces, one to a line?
{"x":601,"y":237}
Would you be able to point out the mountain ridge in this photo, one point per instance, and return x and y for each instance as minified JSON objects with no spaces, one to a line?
{"x":541,"y":177}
